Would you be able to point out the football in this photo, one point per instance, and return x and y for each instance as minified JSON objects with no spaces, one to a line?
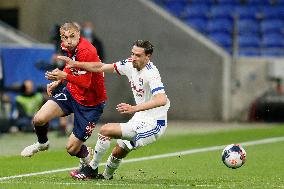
{"x":234,"y":156}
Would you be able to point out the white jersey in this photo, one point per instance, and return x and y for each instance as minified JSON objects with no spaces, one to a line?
{"x":145,"y":84}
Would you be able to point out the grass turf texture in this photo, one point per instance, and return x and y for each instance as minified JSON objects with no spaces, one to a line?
{"x":263,"y":169}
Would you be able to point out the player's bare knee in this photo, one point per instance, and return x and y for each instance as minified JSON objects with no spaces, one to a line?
{"x":38,"y":120}
{"x":71,"y":150}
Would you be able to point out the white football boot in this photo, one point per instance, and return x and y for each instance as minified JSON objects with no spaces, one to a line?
{"x":34,"y":148}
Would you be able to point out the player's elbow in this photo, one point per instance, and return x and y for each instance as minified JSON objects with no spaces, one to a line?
{"x":161,"y":99}
{"x":97,"y":67}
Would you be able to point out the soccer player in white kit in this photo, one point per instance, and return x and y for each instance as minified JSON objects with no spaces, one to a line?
{"x":150,"y":112}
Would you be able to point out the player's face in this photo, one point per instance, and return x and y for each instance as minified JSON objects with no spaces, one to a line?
{"x":70,"y":39}
{"x":140,"y":59}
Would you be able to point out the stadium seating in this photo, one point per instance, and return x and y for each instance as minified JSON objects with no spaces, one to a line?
{"x":222,"y":11}
{"x":258,"y":2}
{"x":224,"y":40}
{"x":249,"y":41}
{"x":260,"y":26}
{"x":273,"y":40}
{"x":272,"y":12}
{"x":196,"y":11}
{"x":206,"y":2}
{"x":224,"y":25}
{"x":248,"y":26}
{"x":247,"y":12}
{"x":175,"y":7}
{"x":272,"y":25}
{"x":229,"y":2}
{"x":200,"y":24}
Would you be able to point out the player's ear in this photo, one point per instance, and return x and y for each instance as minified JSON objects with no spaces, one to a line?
{"x":149,"y":55}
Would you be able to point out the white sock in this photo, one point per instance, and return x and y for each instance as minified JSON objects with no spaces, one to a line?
{"x":101,"y":147}
{"x":112,"y":164}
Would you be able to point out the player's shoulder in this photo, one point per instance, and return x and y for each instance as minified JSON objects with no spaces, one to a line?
{"x":86,"y":46}
{"x":125,"y":61}
{"x":86,"y":51}
{"x":150,"y":67}
{"x":151,"y":70}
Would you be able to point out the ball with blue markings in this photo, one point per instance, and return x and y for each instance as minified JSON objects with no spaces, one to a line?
{"x":234,"y":156}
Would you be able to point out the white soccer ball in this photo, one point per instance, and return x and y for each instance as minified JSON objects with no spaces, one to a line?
{"x":234,"y":156}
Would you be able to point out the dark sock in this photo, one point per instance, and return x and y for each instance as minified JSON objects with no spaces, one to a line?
{"x":83,"y":152}
{"x":41,"y":132}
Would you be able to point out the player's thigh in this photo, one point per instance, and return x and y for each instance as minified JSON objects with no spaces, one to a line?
{"x":48,"y":111}
{"x":136,"y":133}
{"x":112,"y":130}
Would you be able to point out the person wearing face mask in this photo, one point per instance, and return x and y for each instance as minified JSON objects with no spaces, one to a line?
{"x":89,"y":34}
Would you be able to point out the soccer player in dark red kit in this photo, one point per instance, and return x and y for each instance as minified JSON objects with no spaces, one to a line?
{"x":84,"y":95}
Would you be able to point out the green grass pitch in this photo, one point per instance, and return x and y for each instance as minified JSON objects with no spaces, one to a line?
{"x":264,"y":167}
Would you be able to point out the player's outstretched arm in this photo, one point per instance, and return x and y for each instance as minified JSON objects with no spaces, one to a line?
{"x":88,"y":66}
{"x":159,"y":99}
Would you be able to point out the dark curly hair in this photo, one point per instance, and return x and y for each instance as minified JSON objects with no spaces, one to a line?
{"x":146,"y":45}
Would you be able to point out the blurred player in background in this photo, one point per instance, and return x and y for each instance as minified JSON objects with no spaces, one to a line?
{"x":150,"y":112}
{"x":84,"y":95}
{"x":28,"y":102}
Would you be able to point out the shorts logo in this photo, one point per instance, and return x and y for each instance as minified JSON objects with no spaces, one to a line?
{"x":89,"y":129}
{"x":60,"y":96}
{"x":161,"y":122}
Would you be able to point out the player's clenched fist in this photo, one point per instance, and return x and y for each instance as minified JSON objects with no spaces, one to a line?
{"x":69,"y":61}
{"x":51,"y":86}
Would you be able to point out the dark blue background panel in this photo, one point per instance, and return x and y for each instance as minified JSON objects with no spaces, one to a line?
{"x":19,"y":65}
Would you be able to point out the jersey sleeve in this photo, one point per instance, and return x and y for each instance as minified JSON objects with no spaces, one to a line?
{"x":155,"y":83}
{"x":123,"y":67}
{"x":80,"y":77}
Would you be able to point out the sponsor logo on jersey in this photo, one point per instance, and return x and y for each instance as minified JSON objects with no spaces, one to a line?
{"x":77,"y":72}
{"x":139,"y":91}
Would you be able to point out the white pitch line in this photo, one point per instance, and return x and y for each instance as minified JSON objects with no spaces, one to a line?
{"x":192,"y":151}
{"x":106,"y":184}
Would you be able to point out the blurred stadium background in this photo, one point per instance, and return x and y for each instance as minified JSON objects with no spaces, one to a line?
{"x":217,"y":57}
{"x":222,"y":62}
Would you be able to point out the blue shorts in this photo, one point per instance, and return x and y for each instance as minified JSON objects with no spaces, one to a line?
{"x":85,"y":117}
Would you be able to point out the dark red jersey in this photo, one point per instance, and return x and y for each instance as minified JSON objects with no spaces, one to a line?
{"x":87,"y":88}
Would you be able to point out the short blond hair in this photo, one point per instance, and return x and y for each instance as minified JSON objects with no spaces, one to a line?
{"x":69,"y":26}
